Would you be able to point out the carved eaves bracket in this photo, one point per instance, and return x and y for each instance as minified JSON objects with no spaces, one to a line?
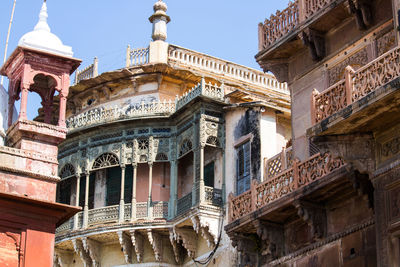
{"x":207,"y":227}
{"x":83,"y":254}
{"x":155,"y":240}
{"x":63,"y":258}
{"x":362,"y":11}
{"x":272,"y":238}
{"x":176,"y":246}
{"x":314,"y":215}
{"x":126,"y":245}
{"x":188,"y":238}
{"x":362,"y":185}
{"x":137,"y":242}
{"x":279,"y":67}
{"x":315,"y":41}
{"x":92,"y":247}
{"x":358,"y":150}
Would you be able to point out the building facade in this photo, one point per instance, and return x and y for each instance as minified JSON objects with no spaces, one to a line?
{"x":28,"y":160}
{"x":337,"y":203}
{"x":152,"y":150}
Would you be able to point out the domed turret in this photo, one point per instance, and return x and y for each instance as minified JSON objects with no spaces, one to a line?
{"x":42,"y":39}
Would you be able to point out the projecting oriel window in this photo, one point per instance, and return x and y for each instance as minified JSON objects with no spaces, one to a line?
{"x":243,"y":168}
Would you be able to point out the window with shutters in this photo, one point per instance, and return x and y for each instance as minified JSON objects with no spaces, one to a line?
{"x":113,"y":186}
{"x":243,"y":168}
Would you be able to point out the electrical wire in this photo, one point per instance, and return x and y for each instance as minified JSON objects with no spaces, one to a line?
{"x":211,"y":255}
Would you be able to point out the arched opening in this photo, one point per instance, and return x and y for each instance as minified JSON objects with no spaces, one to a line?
{"x":66,"y":187}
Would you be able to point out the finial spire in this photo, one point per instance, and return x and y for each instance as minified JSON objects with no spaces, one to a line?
{"x":159,"y":20}
{"x":42,"y":23}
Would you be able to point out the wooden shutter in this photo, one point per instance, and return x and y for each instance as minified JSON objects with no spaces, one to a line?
{"x":243,"y":163}
{"x":113,"y":186}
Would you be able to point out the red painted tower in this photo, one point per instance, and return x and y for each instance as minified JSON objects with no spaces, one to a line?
{"x":28,"y":162}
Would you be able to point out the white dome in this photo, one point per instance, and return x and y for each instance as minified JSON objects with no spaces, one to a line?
{"x":42,"y":39}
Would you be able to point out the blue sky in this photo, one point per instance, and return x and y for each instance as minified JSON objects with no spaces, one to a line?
{"x":221,"y":28}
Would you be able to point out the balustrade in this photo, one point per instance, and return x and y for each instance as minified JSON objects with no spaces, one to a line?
{"x":213,"y":196}
{"x":90,"y":71}
{"x":136,"y":57}
{"x":356,"y":85}
{"x":300,"y":175}
{"x":214,"y":65}
{"x":184,"y":203}
{"x":278,"y":163}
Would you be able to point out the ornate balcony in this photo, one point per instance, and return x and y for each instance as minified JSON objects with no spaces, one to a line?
{"x":89,"y":72}
{"x":294,"y":179}
{"x":357,"y":93}
{"x":157,"y":109}
{"x":278,"y":163}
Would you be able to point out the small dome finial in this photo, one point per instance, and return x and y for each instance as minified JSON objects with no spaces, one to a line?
{"x":42,"y":23}
{"x":159,"y":20}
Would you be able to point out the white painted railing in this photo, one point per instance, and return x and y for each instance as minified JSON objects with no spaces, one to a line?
{"x":204,"y":62}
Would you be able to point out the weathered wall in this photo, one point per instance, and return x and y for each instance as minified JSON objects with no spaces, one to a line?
{"x":161,"y":181}
{"x":185,"y":175}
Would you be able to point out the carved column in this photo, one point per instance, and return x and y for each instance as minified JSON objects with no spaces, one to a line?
{"x":201,"y":182}
{"x":86,"y":208}
{"x":63,"y":106}
{"x":149,"y":204}
{"x":122,"y":195}
{"x":173,"y":189}
{"x":76,"y":217}
{"x":194,"y":187}
{"x":24,"y":101}
{"x":133,"y":208}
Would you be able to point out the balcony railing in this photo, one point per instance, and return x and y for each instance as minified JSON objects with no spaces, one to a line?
{"x":283,"y":22}
{"x":278,"y":163}
{"x":213,"y":196}
{"x":300,"y":175}
{"x":207,"y":63}
{"x":160,"y":209}
{"x":90,"y":71}
{"x":184,"y":204}
{"x":356,"y":85}
{"x":103,"y":215}
{"x":150,"y":109}
{"x":136,"y":57}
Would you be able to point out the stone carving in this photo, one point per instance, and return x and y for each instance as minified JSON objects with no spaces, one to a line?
{"x":176,"y":246}
{"x":185,"y":147}
{"x":93,"y":249}
{"x":137,"y":242}
{"x":315,"y":216}
{"x":126,"y":245}
{"x":394,"y":203}
{"x":246,"y":246}
{"x":188,"y":239}
{"x":83,"y":254}
{"x":67,"y":171}
{"x":272,"y":238}
{"x":156,"y":243}
{"x":357,"y":60}
{"x":314,"y":6}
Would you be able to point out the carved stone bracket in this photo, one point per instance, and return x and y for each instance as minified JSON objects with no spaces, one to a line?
{"x":62,"y":258}
{"x":362,"y":185}
{"x":362,"y":11}
{"x":176,"y":246}
{"x":83,"y":254}
{"x":137,"y":242}
{"x":272,"y":238}
{"x":93,"y":249}
{"x":247,"y":247}
{"x":188,"y":238}
{"x":126,"y":245}
{"x":356,"y":149}
{"x":279,"y":67}
{"x":315,"y":216}
{"x":207,"y":227}
{"x":315,"y":41}
{"x":155,"y":240}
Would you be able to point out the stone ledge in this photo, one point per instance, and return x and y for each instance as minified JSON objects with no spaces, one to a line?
{"x":48,"y":178}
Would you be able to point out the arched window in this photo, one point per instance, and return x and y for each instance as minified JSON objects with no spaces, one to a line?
{"x":186,"y":146}
{"x":67,"y":171}
{"x":213,"y":141}
{"x":161,"y":157}
{"x":105,"y":161}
